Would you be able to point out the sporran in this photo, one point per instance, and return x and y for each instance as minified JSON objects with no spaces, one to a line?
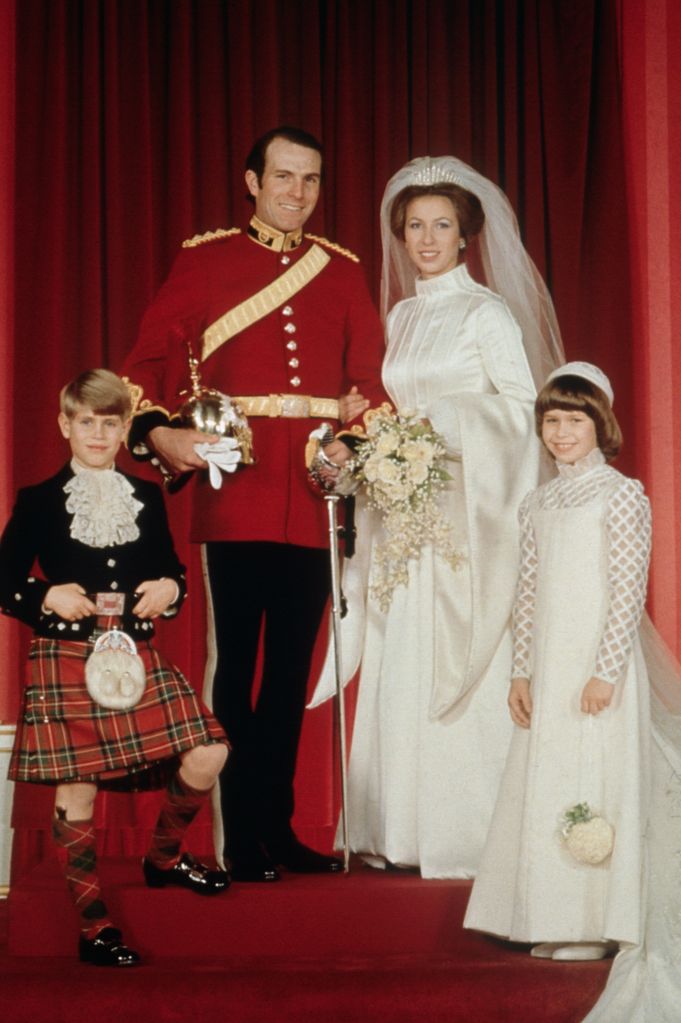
{"x":115,"y":675}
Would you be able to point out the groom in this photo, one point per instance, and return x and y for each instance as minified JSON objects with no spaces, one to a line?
{"x":284,"y":322}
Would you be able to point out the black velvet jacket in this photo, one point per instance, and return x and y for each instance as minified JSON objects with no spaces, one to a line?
{"x":39,"y":530}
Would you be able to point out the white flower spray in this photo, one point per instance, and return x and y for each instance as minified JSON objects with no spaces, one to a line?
{"x":402,"y":464}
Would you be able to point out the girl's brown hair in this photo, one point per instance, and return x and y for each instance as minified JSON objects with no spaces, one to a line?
{"x":575,"y":393}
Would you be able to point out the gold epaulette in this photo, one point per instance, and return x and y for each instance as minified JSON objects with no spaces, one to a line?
{"x":333,"y":246}
{"x":209,"y":236}
{"x":135,"y":392}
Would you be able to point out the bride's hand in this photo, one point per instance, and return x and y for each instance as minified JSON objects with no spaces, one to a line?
{"x":351,"y":405}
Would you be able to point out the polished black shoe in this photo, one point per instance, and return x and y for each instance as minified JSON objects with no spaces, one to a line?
{"x":300,"y":859}
{"x":106,"y":949}
{"x":255,"y":866}
{"x":187,"y":873}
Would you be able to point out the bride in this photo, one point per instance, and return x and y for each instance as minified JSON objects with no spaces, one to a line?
{"x":431,"y":730}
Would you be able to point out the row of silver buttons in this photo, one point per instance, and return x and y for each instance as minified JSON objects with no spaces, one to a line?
{"x":290,"y":329}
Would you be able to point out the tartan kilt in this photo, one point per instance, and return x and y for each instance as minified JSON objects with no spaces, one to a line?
{"x":64,"y":736}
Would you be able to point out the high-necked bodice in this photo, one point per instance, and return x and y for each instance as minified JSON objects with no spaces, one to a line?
{"x":454,"y":335}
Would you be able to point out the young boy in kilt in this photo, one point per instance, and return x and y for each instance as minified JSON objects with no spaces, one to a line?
{"x":102,"y":542}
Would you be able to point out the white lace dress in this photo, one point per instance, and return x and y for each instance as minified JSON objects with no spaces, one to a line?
{"x":431,"y":729}
{"x":581,"y":592}
{"x":580,"y":598}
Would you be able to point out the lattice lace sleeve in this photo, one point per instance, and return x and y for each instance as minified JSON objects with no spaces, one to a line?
{"x":629,"y":535}
{"x":523,"y":608}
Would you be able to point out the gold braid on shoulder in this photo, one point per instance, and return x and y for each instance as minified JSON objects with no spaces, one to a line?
{"x":210,"y":236}
{"x":333,"y":246}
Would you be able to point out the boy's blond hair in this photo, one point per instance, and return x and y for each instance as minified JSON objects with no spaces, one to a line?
{"x":99,"y":390}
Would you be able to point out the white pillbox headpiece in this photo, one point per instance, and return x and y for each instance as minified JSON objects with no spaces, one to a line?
{"x":587,"y":371}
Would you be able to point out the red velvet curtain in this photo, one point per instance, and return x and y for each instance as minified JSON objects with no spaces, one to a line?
{"x":133,"y":118}
{"x":650,"y":39}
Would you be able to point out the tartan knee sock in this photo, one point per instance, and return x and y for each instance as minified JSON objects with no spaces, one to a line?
{"x":77,"y":839}
{"x":180,"y":807}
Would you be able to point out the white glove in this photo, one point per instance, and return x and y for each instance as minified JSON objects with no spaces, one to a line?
{"x":225,"y":455}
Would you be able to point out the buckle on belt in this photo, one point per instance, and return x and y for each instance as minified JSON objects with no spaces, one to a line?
{"x":109,"y":603}
{"x":292,"y":406}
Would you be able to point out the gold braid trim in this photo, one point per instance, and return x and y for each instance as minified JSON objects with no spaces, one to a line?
{"x":369,"y":415}
{"x":141,"y":405}
{"x":210,"y":236}
{"x":333,"y":246}
{"x":135,"y":392}
{"x":254,"y":308}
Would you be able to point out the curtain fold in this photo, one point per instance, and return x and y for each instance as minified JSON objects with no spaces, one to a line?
{"x":133,"y":119}
{"x":650,"y":39}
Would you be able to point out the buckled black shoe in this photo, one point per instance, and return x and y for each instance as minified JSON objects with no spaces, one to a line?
{"x":106,"y":949}
{"x":300,"y":859}
{"x":254,"y":866}
{"x":187,"y":873}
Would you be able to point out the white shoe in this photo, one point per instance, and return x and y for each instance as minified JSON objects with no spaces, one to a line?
{"x":582,"y":951}
{"x":545,"y":950}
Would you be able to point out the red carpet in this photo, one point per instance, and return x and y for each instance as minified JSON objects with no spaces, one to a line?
{"x":368,"y":947}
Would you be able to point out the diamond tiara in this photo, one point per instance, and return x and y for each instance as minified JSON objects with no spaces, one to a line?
{"x":431,"y":174}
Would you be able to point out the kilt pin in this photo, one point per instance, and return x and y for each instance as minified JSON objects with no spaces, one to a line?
{"x":265,"y":530}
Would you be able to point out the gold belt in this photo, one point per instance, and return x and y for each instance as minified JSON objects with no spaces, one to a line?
{"x":288,"y":406}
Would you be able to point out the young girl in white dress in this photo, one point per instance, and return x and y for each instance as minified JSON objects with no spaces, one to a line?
{"x":580,"y":698}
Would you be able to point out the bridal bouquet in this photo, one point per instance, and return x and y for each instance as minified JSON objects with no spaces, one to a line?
{"x":402,"y":464}
{"x":589,"y":838}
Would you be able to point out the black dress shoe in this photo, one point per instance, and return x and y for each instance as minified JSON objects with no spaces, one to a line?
{"x":106,"y":949}
{"x":255,"y":866}
{"x":300,"y":859}
{"x":186,"y":873}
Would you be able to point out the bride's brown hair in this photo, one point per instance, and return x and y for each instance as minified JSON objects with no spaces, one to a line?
{"x":469,"y":211}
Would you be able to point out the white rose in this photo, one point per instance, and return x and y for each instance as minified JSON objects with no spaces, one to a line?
{"x":387,"y":442}
{"x":371,"y":468}
{"x":417,"y":473}
{"x":418,"y":451}
{"x":388,"y":471}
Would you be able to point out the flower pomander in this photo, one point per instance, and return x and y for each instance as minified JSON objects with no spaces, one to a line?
{"x":588,"y":837}
{"x":402,"y":465}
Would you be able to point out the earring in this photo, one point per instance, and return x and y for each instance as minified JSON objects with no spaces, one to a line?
{"x":462,"y":244}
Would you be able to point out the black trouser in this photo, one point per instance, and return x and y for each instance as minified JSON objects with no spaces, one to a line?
{"x":285,"y":587}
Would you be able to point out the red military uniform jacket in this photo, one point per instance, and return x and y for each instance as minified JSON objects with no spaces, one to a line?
{"x":320,"y":342}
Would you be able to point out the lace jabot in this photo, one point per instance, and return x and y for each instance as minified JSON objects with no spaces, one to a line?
{"x":103,"y":508}
{"x":594,"y":460}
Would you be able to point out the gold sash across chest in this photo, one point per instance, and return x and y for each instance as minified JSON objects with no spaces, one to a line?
{"x":264,"y":302}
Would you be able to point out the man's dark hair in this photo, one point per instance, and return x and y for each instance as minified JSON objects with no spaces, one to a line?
{"x":255,"y":161}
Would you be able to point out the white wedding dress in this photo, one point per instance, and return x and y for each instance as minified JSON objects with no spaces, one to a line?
{"x":432,"y":726}
{"x":585,"y":551}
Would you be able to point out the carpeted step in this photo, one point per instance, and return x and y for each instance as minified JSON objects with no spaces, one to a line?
{"x":367,"y":912}
{"x":371,"y":947}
